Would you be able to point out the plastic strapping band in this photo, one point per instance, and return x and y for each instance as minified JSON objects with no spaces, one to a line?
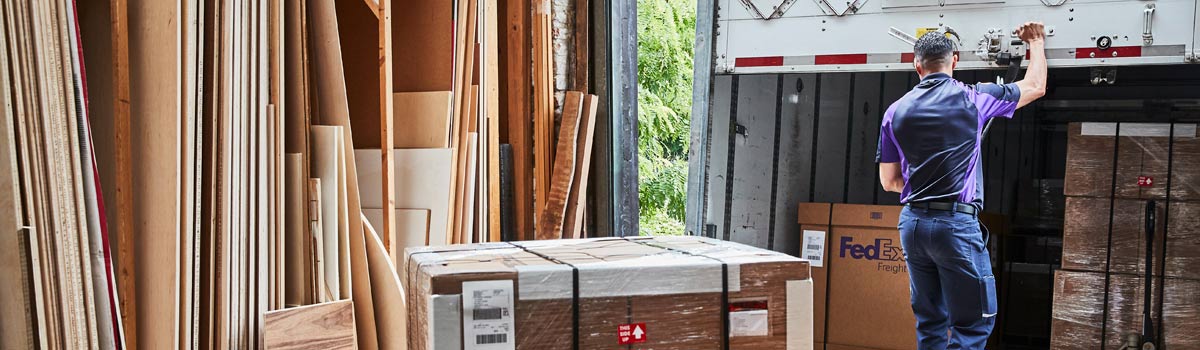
{"x":724,"y":286}
{"x":574,"y":293}
{"x":1165,"y":234}
{"x":1112,"y":204}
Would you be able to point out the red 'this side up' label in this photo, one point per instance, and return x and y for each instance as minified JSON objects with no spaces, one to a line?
{"x":631,"y":333}
{"x":1145,"y":181}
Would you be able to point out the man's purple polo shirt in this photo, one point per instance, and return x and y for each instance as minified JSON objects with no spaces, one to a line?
{"x":934,"y":132}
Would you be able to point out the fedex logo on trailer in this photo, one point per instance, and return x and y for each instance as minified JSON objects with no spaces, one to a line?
{"x":882,"y":249}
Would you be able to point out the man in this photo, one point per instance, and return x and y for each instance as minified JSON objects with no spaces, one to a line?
{"x":929,"y":151}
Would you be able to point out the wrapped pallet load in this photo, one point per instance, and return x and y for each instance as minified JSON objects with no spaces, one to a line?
{"x":1114,"y":237}
{"x":646,"y":292}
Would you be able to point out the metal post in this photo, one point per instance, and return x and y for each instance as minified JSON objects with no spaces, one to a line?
{"x":697,"y":191}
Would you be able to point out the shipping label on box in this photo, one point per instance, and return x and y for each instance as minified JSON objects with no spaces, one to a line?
{"x":813,"y":249}
{"x":488,"y":315}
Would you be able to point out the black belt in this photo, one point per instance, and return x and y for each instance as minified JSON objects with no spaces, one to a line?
{"x":946,"y":206}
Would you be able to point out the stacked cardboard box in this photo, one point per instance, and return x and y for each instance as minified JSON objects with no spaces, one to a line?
{"x":860,"y":275}
{"x":1105,"y":238}
{"x":650,"y":292}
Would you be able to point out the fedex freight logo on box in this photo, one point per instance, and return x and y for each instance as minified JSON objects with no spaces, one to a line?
{"x":889,"y":257}
{"x":631,"y":333}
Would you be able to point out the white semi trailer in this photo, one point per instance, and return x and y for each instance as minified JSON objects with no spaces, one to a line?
{"x":789,"y":95}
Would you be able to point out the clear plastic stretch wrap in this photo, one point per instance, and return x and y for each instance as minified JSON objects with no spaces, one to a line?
{"x":650,"y":292}
{"x":1113,"y":170}
{"x":1079,"y":311}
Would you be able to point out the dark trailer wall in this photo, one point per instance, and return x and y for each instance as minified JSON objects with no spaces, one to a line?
{"x":777,"y":140}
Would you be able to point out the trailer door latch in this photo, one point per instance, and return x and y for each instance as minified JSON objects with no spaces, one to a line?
{"x":1148,"y":25}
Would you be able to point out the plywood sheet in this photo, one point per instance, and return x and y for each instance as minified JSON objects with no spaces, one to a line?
{"x":359,"y":34}
{"x":391,"y":317}
{"x":412,"y":225}
{"x":422,"y":27}
{"x":320,"y":326}
{"x":421,"y":182}
{"x":422,"y":119}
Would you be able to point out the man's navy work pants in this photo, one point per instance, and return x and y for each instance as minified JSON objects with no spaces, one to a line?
{"x":951,"y":279}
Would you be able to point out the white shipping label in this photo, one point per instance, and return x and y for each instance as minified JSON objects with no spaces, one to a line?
{"x":814,"y":248}
{"x":751,"y":323}
{"x":488,"y":315}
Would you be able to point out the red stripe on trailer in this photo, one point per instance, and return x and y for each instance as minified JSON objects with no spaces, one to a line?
{"x":773,"y":61}
{"x":854,"y":58}
{"x":907,"y":57}
{"x":1121,"y":51}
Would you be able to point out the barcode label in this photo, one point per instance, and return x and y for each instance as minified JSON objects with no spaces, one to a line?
{"x":491,"y":339}
{"x":488,"y":314}
{"x":814,"y":248}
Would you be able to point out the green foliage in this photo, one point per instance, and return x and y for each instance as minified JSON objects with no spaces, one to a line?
{"x":666,"y":32}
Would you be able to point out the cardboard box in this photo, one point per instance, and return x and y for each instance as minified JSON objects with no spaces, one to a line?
{"x":1079,"y":310}
{"x":1086,"y":242}
{"x":1143,"y":151}
{"x":669,"y":292}
{"x":862,"y":277}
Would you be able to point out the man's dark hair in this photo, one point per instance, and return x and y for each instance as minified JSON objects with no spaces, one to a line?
{"x":934,"y":50}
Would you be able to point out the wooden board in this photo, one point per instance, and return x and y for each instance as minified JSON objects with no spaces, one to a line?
{"x":491,"y":112}
{"x":551,"y":223}
{"x":412,"y":225}
{"x":424,"y":27}
{"x":514,"y":100}
{"x":155,"y":82}
{"x":423,"y":119}
{"x":543,"y":105}
{"x":390,"y":313}
{"x":298,"y":238}
{"x":421,"y":182}
{"x":464,"y":104}
{"x":319,"y":326}
{"x":384,"y":13}
{"x":463,"y":168}
{"x":577,"y":201}
{"x":467,"y":208}
{"x":583,"y":29}
{"x":319,"y":284}
{"x":124,"y":171}
{"x":325,"y":160}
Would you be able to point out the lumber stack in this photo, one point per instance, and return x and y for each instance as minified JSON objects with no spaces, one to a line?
{"x":550,"y":131}
{"x":53,"y":245}
{"x":249,"y":174}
